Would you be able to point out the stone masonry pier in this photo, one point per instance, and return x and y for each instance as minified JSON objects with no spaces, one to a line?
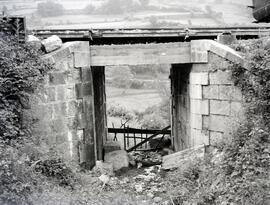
{"x":70,"y":106}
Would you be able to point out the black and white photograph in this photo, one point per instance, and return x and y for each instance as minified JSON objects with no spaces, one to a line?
{"x":134,"y":102}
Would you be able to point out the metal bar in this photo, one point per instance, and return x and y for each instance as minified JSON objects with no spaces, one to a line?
{"x":137,"y":131}
{"x":134,"y":137}
{"x":146,"y":140}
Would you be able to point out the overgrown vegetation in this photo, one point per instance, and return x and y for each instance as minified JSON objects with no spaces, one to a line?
{"x":22,"y":166}
{"x":239,"y":174}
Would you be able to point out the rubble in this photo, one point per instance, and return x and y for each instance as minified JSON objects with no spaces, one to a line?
{"x":119,"y":159}
{"x":146,"y":158}
{"x":34,"y":41}
{"x":110,"y":146}
{"x":179,"y":159}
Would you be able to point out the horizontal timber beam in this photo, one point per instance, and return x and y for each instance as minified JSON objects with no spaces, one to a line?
{"x":140,"y":54}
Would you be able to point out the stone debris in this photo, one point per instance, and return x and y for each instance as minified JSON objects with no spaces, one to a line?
{"x":138,"y":188}
{"x":179,"y":159}
{"x":52,"y":43}
{"x":146,"y":158}
{"x":103,"y":168}
{"x":110,"y":146}
{"x":34,"y":41}
{"x":119,"y":159}
{"x":104,"y":178}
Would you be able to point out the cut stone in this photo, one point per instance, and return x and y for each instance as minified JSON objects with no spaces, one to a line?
{"x":182,"y":158}
{"x":111,"y":146}
{"x":118,"y":158}
{"x":52,"y":43}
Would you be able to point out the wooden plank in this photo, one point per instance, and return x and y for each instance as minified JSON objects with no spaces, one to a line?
{"x":146,"y":140}
{"x":140,"y":54}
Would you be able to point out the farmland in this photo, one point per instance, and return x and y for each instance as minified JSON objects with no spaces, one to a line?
{"x":133,"y":13}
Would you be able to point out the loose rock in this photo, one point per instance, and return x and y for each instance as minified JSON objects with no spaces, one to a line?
{"x":52,"y":43}
{"x":119,"y":159}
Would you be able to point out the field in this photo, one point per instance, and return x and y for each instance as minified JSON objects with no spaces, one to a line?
{"x":157,"y":13}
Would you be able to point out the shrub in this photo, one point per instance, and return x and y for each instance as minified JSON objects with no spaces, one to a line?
{"x":120,"y":111}
{"x":137,"y":84}
{"x":153,"y":121}
{"x":242,"y":175}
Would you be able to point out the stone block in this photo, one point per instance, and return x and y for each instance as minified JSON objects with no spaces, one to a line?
{"x":225,"y":92}
{"x":198,"y":78}
{"x":200,"y":67}
{"x":86,"y":74}
{"x":56,"y":78}
{"x":60,"y":110}
{"x":236,"y":94}
{"x":110,"y":146}
{"x":34,"y":42}
{"x":118,"y":158}
{"x":60,"y":56}
{"x":215,"y":137}
{"x":210,"y":92}
{"x":237,"y":111}
{"x":51,"y":92}
{"x":75,"y":107}
{"x":74,"y":76}
{"x":61,"y":137}
{"x":205,"y":122}
{"x":82,"y":60}
{"x":195,"y":92}
{"x":183,"y":158}
{"x":70,"y":92}
{"x":60,"y":92}
{"x":219,"y":123}
{"x":199,"y":137}
{"x":220,"y":78}
{"x":80,"y":135}
{"x":199,"y":51}
{"x":83,"y":89}
{"x":196,"y":121}
{"x":58,"y":125}
{"x":52,"y":43}
{"x":220,"y":107}
{"x":226,"y":39}
{"x":78,"y":46}
{"x":199,"y":107}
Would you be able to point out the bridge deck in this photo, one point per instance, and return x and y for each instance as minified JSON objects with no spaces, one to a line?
{"x":210,"y":32}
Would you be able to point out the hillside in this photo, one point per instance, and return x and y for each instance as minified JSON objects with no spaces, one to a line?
{"x":134,"y":13}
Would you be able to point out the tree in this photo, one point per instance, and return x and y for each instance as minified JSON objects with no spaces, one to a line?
{"x":4,"y":10}
{"x":50,"y":8}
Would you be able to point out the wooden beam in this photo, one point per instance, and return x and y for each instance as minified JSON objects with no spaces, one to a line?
{"x":140,"y":54}
{"x":146,"y":140}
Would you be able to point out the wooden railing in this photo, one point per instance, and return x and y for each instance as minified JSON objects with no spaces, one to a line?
{"x":137,"y":139}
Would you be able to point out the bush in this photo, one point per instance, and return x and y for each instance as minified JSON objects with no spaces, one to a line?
{"x":242,"y":174}
{"x":120,"y":111}
{"x":153,"y":121}
{"x":137,"y":84}
{"x":21,"y":71}
{"x":49,"y":8}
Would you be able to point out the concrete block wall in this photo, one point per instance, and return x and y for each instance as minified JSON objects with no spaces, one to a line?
{"x":63,"y":105}
{"x":216,"y":107}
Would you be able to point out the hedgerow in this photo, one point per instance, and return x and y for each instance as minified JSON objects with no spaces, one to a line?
{"x":21,"y":71}
{"x":240,"y":173}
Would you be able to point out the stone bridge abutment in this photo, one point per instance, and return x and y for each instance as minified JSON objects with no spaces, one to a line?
{"x":71,"y":104}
